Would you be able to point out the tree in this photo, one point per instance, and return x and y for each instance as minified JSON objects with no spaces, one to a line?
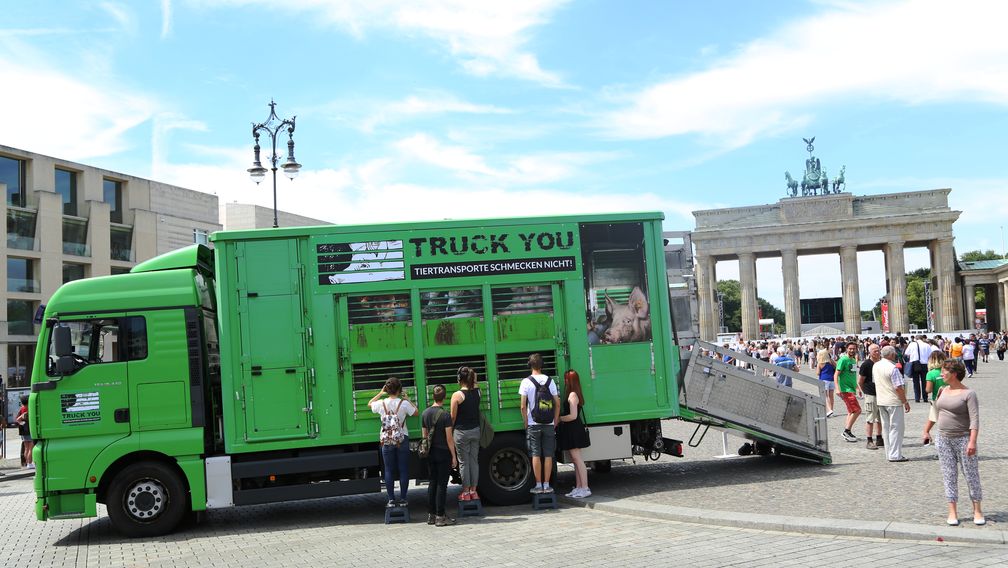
{"x":975,"y":255}
{"x":732,"y":300}
{"x":916,"y":303}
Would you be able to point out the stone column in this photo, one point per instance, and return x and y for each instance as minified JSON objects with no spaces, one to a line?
{"x":792,"y":297}
{"x":750,"y":307}
{"x":704,"y":264}
{"x":947,"y":305}
{"x":969,"y":291}
{"x":899,"y":318}
{"x":1003,"y":297}
{"x":851,"y":292}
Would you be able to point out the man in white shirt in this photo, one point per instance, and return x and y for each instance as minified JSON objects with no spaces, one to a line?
{"x":540,"y":435}
{"x":890,"y":397}
{"x":916,"y":355}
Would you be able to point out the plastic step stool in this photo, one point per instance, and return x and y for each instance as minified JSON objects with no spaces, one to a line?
{"x":396,"y":515}
{"x":470,"y":508}
{"x":544,"y":501}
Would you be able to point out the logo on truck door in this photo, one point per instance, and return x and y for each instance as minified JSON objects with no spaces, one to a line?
{"x":79,"y":407}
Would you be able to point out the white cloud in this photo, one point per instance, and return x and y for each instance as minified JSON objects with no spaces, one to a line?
{"x":91,"y":121}
{"x":369,"y":114}
{"x":166,"y":18}
{"x":914,"y":52}
{"x":522,"y":170}
{"x":122,"y":16}
{"x":375,"y":191}
{"x":488,"y":38}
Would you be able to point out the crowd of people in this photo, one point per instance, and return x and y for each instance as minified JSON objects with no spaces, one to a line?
{"x":453,"y":437}
{"x":877,"y":371}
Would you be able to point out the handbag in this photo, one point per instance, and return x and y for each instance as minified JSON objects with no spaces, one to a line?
{"x":486,"y":431}
{"x":587,"y":432}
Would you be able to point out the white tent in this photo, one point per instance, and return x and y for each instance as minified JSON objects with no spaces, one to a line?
{"x":822,"y":331}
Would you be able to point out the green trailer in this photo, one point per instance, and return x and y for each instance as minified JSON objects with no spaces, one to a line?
{"x":207,"y":379}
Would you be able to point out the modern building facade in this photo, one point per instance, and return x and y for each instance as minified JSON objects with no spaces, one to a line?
{"x":67,"y":221}
{"x":243,"y":216}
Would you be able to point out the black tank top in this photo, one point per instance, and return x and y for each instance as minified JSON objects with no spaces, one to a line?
{"x":467,"y":416}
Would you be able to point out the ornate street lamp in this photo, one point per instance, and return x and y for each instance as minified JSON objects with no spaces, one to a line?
{"x":272,"y":126}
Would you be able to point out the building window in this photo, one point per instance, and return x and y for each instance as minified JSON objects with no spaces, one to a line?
{"x":112,"y":194}
{"x":75,"y":237}
{"x":116,"y":270}
{"x":21,"y":275}
{"x":21,"y":229}
{"x":20,"y":314}
{"x":66,"y":187}
{"x":19,"y":364}
{"x":201,"y":237}
{"x":12,"y":173}
{"x":72,"y":272}
{"x":121,"y":239}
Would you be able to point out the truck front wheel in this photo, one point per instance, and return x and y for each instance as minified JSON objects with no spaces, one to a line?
{"x":146,"y":499}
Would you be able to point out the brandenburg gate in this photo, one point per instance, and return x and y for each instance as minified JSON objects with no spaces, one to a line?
{"x":825,"y":220}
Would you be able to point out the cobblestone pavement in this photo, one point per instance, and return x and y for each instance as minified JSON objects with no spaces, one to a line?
{"x":860,"y":484}
{"x":349,"y":531}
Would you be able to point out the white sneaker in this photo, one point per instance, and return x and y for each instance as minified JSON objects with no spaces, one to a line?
{"x":584,"y":493}
{"x":829,"y":414}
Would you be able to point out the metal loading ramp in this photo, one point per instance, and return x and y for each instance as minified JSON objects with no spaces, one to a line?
{"x":748,"y":401}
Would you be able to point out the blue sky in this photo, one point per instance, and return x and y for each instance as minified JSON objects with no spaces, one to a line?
{"x":460,"y":108}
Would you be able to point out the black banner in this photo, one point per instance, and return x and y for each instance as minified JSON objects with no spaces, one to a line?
{"x":493,"y":267}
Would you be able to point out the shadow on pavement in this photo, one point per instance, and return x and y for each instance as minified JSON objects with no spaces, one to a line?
{"x":294,"y":516}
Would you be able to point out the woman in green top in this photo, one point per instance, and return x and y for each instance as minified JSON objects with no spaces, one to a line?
{"x":933,"y":378}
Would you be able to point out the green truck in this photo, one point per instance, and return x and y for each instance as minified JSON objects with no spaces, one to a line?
{"x":240,"y":375}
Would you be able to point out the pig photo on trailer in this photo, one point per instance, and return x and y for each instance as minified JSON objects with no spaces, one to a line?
{"x":622,"y":322}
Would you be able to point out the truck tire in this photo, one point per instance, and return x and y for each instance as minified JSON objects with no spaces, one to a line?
{"x":146,"y":499}
{"x":505,"y":470}
{"x":602,"y":466}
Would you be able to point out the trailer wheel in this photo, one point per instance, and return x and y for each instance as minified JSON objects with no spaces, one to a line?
{"x":602,"y":466}
{"x":505,"y":471}
{"x":146,"y":499}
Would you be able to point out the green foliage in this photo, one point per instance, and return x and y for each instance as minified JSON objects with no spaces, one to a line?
{"x":975,"y":255}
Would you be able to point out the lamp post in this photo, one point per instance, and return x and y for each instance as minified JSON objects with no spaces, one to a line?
{"x":272,"y":126}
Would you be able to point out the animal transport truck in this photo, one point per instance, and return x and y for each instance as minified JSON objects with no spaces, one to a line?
{"x":240,"y":375}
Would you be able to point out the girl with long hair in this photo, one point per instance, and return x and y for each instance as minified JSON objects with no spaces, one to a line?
{"x":572,"y":435}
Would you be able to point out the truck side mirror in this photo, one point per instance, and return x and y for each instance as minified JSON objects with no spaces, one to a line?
{"x":61,"y":341}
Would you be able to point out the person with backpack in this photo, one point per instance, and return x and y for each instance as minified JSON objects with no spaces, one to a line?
{"x":441,"y":459}
{"x":1002,"y":346}
{"x":540,"y":408}
{"x":465,"y":414}
{"x":394,"y":437}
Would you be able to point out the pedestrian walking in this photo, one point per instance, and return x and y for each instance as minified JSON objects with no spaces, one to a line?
{"x":846,"y":384}
{"x":958,"y":430}
{"x":826,"y":370}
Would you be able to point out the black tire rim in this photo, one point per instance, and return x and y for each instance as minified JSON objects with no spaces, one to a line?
{"x":145,"y":500}
{"x":510,"y":469}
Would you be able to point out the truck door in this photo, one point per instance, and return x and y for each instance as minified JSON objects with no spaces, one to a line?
{"x":91,"y":403}
{"x":278,"y":400}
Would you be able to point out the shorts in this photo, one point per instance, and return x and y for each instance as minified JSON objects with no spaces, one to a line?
{"x":850,"y":399}
{"x":541,"y":440}
{"x":828,"y":385}
{"x":871,"y":409}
